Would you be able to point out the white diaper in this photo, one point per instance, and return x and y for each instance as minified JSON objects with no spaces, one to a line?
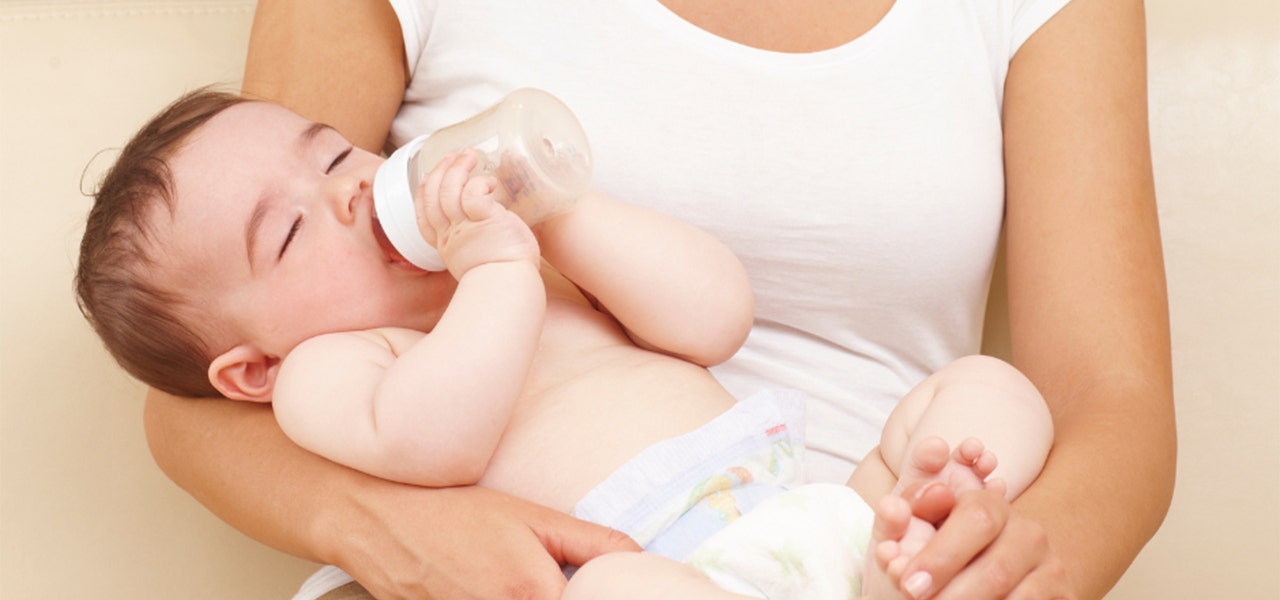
{"x":728,"y":500}
{"x":675,"y":494}
{"x":327,"y":579}
{"x":808,"y":543}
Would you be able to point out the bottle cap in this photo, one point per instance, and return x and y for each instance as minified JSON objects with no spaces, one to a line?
{"x":393,"y":203}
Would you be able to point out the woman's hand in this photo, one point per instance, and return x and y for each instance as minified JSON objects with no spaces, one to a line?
{"x":467,"y":543}
{"x":985,"y":549}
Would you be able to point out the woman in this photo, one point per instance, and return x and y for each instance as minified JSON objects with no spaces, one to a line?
{"x":871,"y":151}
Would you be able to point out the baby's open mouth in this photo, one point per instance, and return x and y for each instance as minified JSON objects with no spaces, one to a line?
{"x":393,"y":256}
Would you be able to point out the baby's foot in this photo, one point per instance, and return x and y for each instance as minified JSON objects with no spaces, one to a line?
{"x":898,"y":534}
{"x":932,"y":460}
{"x":896,"y":538}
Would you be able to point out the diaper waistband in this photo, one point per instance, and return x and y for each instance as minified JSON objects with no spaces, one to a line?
{"x":651,"y":491}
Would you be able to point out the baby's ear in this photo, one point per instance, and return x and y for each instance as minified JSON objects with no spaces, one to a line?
{"x":244,"y":373}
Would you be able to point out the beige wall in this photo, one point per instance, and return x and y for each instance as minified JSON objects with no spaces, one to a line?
{"x":1215,"y":118}
{"x":85,"y":513}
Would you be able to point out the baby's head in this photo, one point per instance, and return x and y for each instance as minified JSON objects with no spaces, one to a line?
{"x":144,"y":323}
{"x":227,"y":232}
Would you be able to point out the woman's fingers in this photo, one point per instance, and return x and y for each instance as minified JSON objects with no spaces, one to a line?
{"x":931,"y":502}
{"x":986,"y":550}
{"x":976,"y":522}
{"x":1018,"y":563}
{"x":1047,"y":581}
{"x":572,"y":541}
{"x":492,"y":546}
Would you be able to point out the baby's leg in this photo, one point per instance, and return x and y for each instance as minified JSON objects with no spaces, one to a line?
{"x":974,"y":398}
{"x":641,"y":576}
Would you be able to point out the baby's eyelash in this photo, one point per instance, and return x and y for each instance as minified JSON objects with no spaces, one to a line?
{"x":337,"y":161}
{"x":293,"y":231}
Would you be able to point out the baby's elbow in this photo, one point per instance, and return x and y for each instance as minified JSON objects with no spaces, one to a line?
{"x":415,"y":463}
{"x":719,"y":343}
{"x":736,"y":334}
{"x":734,"y":326}
{"x":711,"y":358}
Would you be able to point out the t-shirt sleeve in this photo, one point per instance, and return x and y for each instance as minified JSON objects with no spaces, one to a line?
{"x":1028,"y":16}
{"x":415,"y":23}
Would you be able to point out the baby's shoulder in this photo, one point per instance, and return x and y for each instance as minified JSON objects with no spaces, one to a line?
{"x":386,"y":339}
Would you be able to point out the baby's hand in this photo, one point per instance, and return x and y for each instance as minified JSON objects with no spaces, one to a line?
{"x":458,"y":214}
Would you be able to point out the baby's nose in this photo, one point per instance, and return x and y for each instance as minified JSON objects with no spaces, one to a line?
{"x":344,"y":195}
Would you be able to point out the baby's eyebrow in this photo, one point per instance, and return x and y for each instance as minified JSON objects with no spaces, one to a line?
{"x":312,"y":132}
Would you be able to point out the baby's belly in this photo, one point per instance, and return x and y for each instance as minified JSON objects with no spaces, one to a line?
{"x":566,"y":439}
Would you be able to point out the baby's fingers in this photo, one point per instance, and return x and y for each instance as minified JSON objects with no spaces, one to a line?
{"x":454,"y":179}
{"x":974,"y":526}
{"x":432,"y":222}
{"x":478,"y":202}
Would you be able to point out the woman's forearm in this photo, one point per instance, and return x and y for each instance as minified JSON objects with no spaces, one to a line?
{"x":397,"y":540}
{"x":1106,"y":487}
{"x":1088,"y":310}
{"x":233,"y":458}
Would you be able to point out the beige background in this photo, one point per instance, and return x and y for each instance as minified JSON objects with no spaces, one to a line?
{"x":85,"y":513}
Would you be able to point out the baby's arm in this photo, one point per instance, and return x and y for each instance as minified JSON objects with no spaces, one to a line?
{"x":672,"y":286}
{"x":429,"y":409}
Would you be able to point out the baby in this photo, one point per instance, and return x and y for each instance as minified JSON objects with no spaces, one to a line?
{"x":233,"y":250}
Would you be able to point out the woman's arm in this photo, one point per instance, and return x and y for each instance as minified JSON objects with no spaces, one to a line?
{"x":1088,"y":317}
{"x":1084,"y":244}
{"x":674,"y":287}
{"x":399,"y":541}
{"x":332,"y":61}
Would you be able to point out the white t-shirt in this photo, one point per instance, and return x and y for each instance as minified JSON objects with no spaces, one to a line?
{"x":862,"y":186}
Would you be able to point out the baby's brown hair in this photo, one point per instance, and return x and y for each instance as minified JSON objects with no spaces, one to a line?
{"x":138,"y":320}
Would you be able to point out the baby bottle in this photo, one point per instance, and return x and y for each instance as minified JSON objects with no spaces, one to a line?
{"x":530,"y":142}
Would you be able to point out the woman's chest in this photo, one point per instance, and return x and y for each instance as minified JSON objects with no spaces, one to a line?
{"x":782,"y":25}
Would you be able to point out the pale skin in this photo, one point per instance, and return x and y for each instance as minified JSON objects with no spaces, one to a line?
{"x":518,"y":375}
{"x":1088,"y":319}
